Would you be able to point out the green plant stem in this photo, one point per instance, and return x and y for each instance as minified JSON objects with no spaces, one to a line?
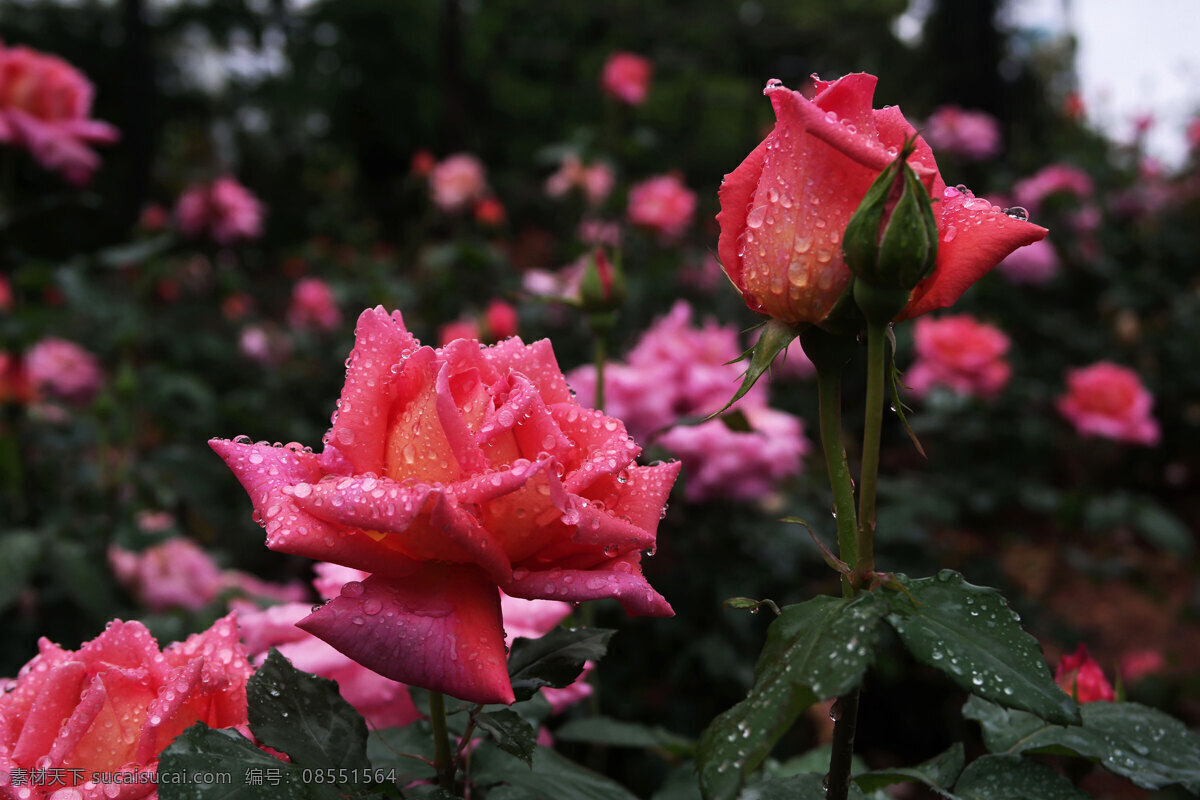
{"x":442,"y":761}
{"x":872,"y":425}
{"x":838,"y":780}
{"x":829,"y":392}
{"x":599,"y":358}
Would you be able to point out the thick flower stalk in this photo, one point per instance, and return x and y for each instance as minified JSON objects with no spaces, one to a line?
{"x":784,"y":210}
{"x":449,"y":474}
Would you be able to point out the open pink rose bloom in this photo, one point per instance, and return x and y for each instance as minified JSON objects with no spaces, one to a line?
{"x":108,"y":709}
{"x":449,"y":474}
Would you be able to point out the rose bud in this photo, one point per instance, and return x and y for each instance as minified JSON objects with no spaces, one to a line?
{"x":891,"y":242}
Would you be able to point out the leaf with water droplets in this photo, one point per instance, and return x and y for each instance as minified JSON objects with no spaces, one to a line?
{"x":970,"y":633}
{"x":795,"y":787}
{"x":775,"y":338}
{"x":1014,"y":778}
{"x":1149,"y":747}
{"x":553,"y":776}
{"x":555,"y":659}
{"x":306,"y":717}
{"x":938,"y":773}
{"x":203,"y":750}
{"x":814,"y":650}
{"x":511,"y":733}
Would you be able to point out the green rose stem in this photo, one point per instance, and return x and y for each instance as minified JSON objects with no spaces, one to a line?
{"x":442,"y":761}
{"x":829,"y":354}
{"x":872,"y":425}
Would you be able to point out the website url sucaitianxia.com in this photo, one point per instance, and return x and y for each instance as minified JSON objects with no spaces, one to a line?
{"x":73,"y":777}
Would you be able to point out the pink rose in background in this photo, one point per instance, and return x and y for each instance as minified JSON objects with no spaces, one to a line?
{"x":966,"y":135}
{"x":152,"y":522}
{"x":960,"y":353}
{"x":44,"y":107}
{"x":459,"y":329}
{"x":599,"y":233}
{"x":738,"y":465}
{"x":14,"y":379}
{"x":662,"y":204}
{"x":451,"y":474}
{"x":6,"y":294}
{"x":675,"y":370}
{"x":1032,"y":265}
{"x":116,"y":703}
{"x":180,"y":574}
{"x":1081,"y":677}
{"x":626,"y":76}
{"x":153,"y":218}
{"x":1109,"y":401}
{"x":594,"y":180}
{"x":223,"y":210}
{"x":678,"y":370}
{"x":313,"y":306}
{"x":500,"y":320}
{"x":457,"y":182}
{"x":1053,"y":179}
{"x":1138,"y":664}
{"x":490,"y":212}
{"x":264,"y":345}
{"x":63,"y":370}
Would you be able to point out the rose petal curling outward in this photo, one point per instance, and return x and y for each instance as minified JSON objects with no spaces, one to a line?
{"x":448,"y":474}
{"x":783,"y":210}
{"x":114,"y":704}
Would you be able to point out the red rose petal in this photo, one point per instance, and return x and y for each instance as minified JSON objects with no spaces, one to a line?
{"x":381,"y":342}
{"x":440,"y":629}
{"x":623,"y":580}
{"x":57,"y":699}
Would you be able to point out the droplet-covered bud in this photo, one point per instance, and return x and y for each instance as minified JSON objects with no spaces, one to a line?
{"x":891,"y":242}
{"x":602,"y":289}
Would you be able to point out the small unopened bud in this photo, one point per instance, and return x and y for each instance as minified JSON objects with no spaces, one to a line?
{"x":891,"y":242}
{"x":602,"y":289}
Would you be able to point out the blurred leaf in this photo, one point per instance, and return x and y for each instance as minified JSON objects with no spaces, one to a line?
{"x":814,"y":650}
{"x":555,"y":659}
{"x":938,"y":773}
{"x":135,"y":252}
{"x":1145,"y":745}
{"x":19,"y":552}
{"x":306,"y":717}
{"x":1014,"y":778}
{"x":511,"y":733}
{"x":603,"y":730}
{"x":553,"y":777}
{"x":969,"y":633}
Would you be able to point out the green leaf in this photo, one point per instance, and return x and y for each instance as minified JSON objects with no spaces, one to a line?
{"x":553,"y":777}
{"x":555,"y":659}
{"x":1143,"y":744}
{"x":18,"y":556}
{"x":234,"y":768}
{"x":1014,"y":778}
{"x":511,"y":733}
{"x":938,"y":773}
{"x":775,"y":338}
{"x":814,"y":650}
{"x":797,"y":787}
{"x":400,"y":748}
{"x":603,"y":730}
{"x":305,"y":717}
{"x":680,"y":784}
{"x":970,"y":633}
